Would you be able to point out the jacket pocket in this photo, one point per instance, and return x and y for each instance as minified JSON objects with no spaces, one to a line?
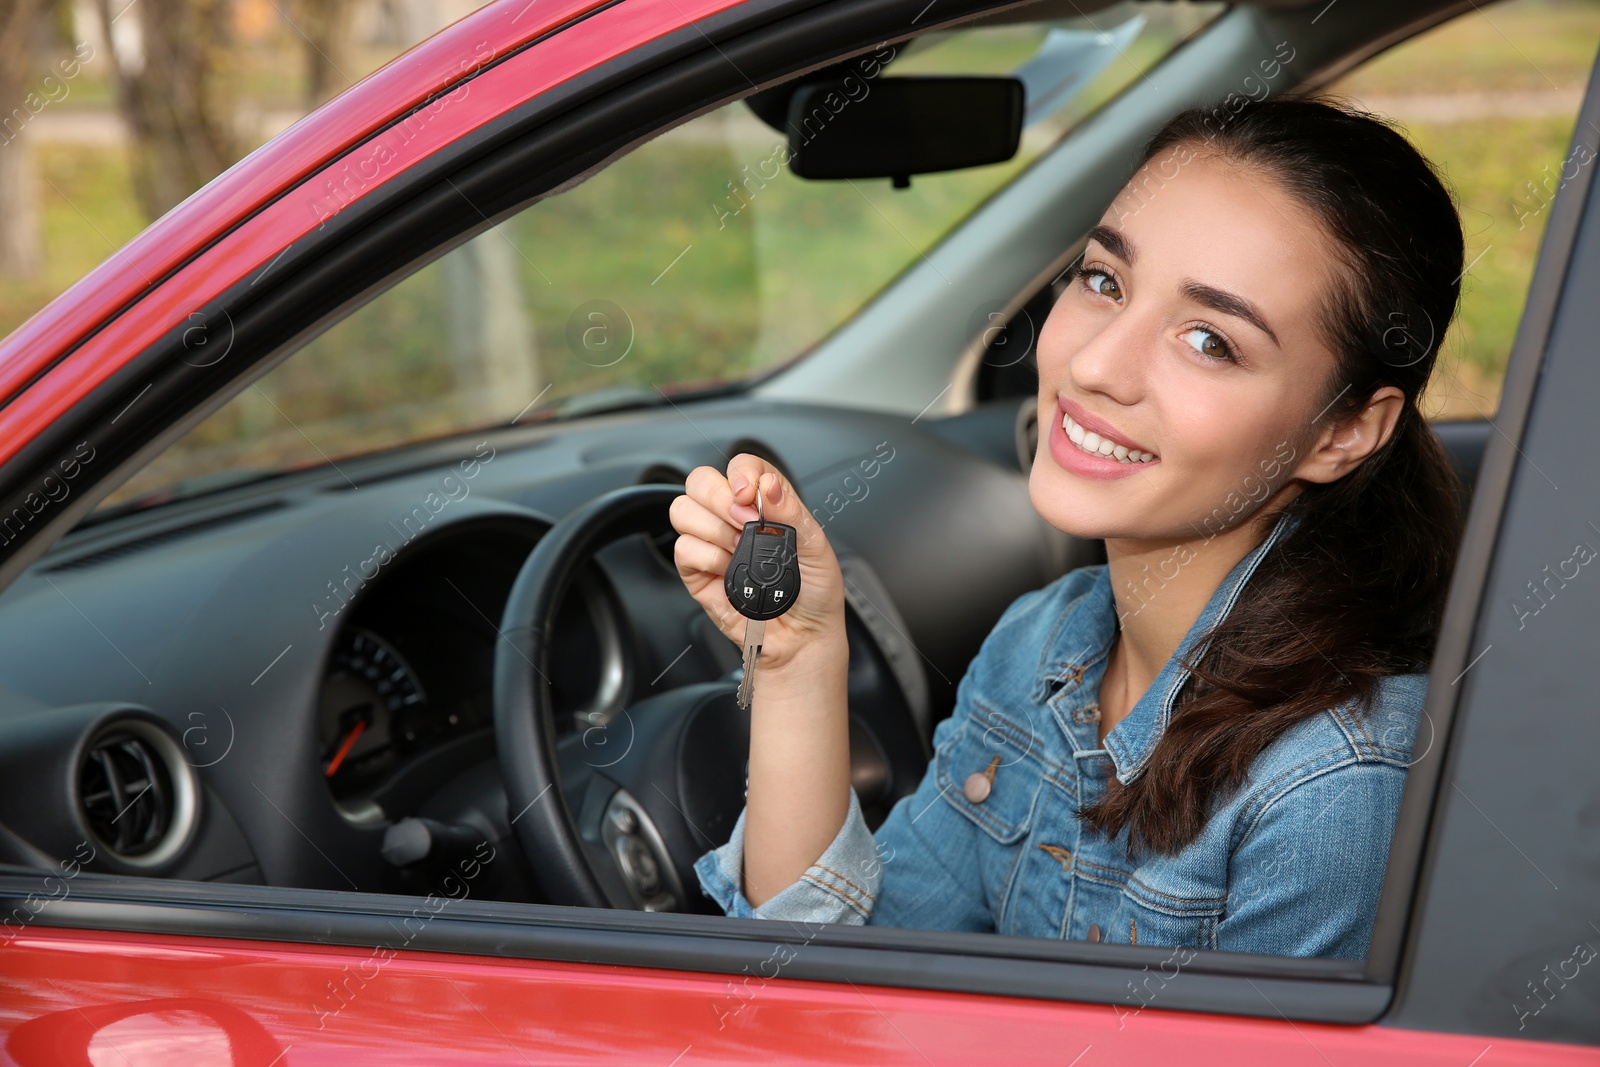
{"x":1151,"y":915}
{"x":1002,"y":754}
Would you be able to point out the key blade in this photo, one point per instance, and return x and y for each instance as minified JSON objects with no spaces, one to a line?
{"x":754,"y":631}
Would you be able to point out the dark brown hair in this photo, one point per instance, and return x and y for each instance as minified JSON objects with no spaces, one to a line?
{"x":1354,"y":592}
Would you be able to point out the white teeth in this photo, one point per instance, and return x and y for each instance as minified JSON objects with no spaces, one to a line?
{"x":1092,"y":443}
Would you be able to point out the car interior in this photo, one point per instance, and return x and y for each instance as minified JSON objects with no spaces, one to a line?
{"x":405,"y":587}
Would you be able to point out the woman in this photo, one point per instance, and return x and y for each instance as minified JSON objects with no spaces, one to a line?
{"x":1204,"y":741}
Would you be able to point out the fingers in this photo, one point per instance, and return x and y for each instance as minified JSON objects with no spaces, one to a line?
{"x":692,"y":554}
{"x":732,"y":497}
{"x":716,"y":506}
{"x":747,"y":474}
{"x":779,"y":501}
{"x":710,"y":518}
{"x":710,"y":488}
{"x":691,"y":518}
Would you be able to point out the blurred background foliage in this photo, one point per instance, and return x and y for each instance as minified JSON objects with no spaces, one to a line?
{"x":113,"y":111}
{"x":1492,"y":98}
{"x":689,"y":261}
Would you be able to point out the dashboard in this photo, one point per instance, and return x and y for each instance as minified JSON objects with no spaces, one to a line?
{"x":409,"y":674}
{"x":276,"y":673}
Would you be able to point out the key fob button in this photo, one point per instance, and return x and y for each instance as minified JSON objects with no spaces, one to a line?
{"x":774,"y":598}
{"x":746,"y":592}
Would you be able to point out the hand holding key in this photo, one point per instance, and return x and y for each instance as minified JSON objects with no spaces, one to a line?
{"x":798,"y":786}
{"x":762,"y":582}
{"x":713,"y":519}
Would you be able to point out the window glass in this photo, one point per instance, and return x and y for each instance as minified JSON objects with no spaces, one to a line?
{"x":697,"y":259}
{"x":1491,"y":97}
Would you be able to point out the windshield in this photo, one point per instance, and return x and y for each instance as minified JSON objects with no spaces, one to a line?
{"x":696,"y":261}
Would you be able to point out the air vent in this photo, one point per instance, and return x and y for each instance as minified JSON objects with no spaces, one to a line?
{"x":136,"y":793}
{"x":139,"y":544}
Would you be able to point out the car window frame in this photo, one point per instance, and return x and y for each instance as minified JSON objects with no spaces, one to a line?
{"x":1470,"y":612}
{"x":1304,"y":989}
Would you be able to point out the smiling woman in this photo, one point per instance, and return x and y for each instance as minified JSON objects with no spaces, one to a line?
{"x":1204,"y":741}
{"x":1317,"y":418}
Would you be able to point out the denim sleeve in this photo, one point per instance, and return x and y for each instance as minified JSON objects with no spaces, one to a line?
{"x":841,"y":887}
{"x":905,"y":876}
{"x":1305,"y":879}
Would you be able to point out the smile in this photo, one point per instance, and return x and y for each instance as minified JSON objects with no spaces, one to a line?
{"x":1092,"y":443}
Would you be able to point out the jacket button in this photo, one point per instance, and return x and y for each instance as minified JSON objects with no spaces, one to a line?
{"x":976,"y":787}
{"x":1094,"y":931}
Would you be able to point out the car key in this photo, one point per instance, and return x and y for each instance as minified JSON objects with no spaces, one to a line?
{"x":762,"y":581}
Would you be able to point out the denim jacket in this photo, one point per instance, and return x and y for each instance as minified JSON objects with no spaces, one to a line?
{"x":1290,"y":864}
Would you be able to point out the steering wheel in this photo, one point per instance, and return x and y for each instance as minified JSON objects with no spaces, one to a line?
{"x":593,"y":837}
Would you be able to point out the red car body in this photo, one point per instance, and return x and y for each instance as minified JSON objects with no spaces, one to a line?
{"x":312,"y":1006}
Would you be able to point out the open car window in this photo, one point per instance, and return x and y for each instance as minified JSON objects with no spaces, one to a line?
{"x":1492,"y":98}
{"x":695,"y":261}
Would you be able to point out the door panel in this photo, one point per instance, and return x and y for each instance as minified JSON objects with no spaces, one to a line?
{"x":136,"y":999}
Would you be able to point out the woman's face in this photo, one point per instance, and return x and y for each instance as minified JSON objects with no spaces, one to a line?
{"x":1189,"y":347}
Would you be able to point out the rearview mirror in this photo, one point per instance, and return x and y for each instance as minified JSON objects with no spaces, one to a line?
{"x":902,"y":126}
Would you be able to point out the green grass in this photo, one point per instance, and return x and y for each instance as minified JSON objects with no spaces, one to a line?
{"x":1492,"y":165}
{"x":1515,"y":46}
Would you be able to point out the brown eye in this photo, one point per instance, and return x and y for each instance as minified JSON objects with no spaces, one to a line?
{"x":1098,"y":281}
{"x":1208,"y":343}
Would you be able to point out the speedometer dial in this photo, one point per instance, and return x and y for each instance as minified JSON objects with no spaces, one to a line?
{"x":368,"y":695}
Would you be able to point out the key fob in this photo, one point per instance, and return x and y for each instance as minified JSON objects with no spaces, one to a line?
{"x":763,"y":578}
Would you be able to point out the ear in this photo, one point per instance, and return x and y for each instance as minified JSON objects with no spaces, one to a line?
{"x":1342,"y":446}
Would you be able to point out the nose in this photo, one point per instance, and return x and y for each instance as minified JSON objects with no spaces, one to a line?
{"x":1115,"y":359}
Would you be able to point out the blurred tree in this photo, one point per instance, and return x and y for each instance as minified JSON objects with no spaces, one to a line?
{"x":491,"y":335}
{"x":20,"y":62}
{"x":327,"y":27}
{"x":173,"y":89}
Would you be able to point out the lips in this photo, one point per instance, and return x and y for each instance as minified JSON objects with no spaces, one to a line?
{"x":1095,"y":437}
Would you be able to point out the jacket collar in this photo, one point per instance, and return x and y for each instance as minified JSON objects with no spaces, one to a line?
{"x":1078,"y":644}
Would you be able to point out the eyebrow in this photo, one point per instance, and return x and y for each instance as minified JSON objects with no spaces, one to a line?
{"x":1218,"y":300}
{"x":1226,"y":303}
{"x":1114,"y":242}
